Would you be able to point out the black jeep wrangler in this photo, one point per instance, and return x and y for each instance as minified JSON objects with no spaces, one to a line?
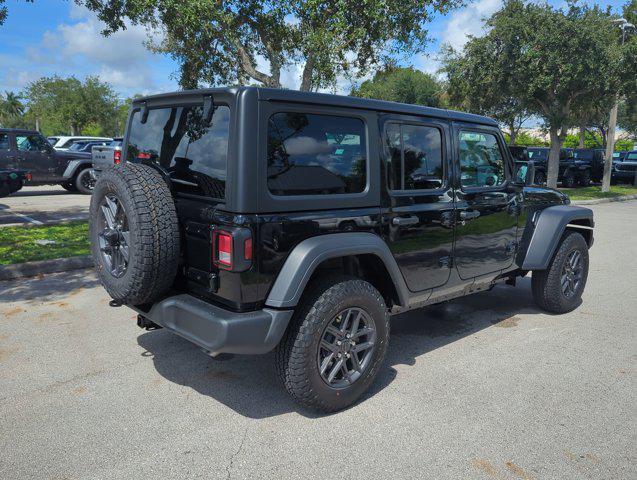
{"x":250,"y":219}
{"x":572,"y":171}
{"x":30,"y":151}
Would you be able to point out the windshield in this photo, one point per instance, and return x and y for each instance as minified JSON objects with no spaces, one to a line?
{"x":192,"y":152}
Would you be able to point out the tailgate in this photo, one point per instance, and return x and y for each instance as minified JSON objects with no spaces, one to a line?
{"x":103,"y":157}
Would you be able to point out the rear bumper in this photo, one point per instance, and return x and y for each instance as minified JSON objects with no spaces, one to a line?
{"x":217,"y":330}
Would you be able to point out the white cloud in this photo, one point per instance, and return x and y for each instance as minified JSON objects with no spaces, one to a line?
{"x":468,"y":21}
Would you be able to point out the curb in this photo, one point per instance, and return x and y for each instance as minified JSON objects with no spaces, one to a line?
{"x":597,"y":201}
{"x":31,"y":269}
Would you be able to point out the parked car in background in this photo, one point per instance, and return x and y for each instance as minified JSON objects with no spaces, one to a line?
{"x":86,"y":145}
{"x":625,"y":170}
{"x":104,"y":156}
{"x":619,"y":156}
{"x":64,"y":142}
{"x":595,"y":158}
{"x":571,"y":170}
{"x":30,"y":151}
{"x":12,"y":180}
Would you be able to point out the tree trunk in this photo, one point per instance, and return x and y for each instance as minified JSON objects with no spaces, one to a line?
{"x":553,"y":167}
{"x":610,"y":146}
{"x":37,"y":124}
{"x":582,"y":136}
{"x":306,"y":78}
{"x":74,"y":129}
{"x":513,"y":134}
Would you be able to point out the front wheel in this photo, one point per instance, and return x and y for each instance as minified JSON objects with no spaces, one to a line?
{"x":585,"y":178}
{"x":540,"y":178}
{"x":559,"y":288}
{"x":335,"y":344}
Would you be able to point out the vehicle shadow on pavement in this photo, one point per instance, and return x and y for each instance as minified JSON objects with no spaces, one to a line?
{"x":47,"y":287}
{"x":249,"y":386}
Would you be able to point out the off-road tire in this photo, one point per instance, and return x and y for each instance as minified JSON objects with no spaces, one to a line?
{"x":69,"y":186}
{"x":569,"y":181}
{"x":545,"y":284}
{"x":585,"y":178}
{"x":540,"y":178}
{"x":154,"y":231}
{"x":296,"y":355}
{"x":81,"y":179}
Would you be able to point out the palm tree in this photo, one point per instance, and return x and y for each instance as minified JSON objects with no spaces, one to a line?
{"x":11,"y":105}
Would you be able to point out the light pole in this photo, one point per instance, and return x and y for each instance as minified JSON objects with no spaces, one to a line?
{"x":610,"y":144}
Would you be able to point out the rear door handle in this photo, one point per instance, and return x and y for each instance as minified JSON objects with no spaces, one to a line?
{"x":405,"y":221}
{"x":469,"y":214}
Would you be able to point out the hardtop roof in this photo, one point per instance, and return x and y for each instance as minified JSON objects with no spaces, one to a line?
{"x":283,"y":95}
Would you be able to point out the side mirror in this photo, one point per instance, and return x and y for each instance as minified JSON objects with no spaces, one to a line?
{"x":525,"y":173}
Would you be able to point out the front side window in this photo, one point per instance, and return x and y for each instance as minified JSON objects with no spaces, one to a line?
{"x":414,"y":155}
{"x":32,"y":143}
{"x":193,"y":152}
{"x":481,"y":161}
{"x":311,"y":154}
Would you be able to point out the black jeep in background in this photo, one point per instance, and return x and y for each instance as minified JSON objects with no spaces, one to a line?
{"x":572,"y":171}
{"x":28,"y":150}
{"x":248,"y":220}
{"x":595,"y":158}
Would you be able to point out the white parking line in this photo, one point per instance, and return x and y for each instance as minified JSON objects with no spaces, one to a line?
{"x":29,"y":219}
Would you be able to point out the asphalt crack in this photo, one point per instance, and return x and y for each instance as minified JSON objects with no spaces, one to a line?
{"x":234,"y":455}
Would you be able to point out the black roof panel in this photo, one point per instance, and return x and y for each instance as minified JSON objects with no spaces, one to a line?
{"x":283,"y":95}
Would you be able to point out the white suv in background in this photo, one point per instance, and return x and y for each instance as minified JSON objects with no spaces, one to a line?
{"x":63,"y":143}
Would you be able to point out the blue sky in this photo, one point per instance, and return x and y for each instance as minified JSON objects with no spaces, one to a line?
{"x":57,"y":37}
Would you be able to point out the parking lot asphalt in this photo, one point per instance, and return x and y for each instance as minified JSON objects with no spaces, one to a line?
{"x":45,"y":204}
{"x":485,"y":387}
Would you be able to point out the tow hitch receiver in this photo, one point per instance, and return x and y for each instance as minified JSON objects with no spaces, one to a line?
{"x":145,"y":324}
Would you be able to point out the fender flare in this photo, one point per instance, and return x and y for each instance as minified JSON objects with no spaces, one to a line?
{"x":74,"y":166}
{"x":548,"y":230}
{"x":310,"y":253}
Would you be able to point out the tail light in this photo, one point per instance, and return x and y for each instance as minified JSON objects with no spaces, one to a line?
{"x":117,"y":157}
{"x":29,"y":176}
{"x":232,"y":248}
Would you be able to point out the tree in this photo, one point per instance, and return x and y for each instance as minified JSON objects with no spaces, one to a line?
{"x":11,"y":104}
{"x":486,"y":91}
{"x":551,"y":61}
{"x":231,"y":42}
{"x":62,"y":105}
{"x":405,"y":85}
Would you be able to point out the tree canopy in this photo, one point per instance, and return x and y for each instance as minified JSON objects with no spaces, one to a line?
{"x":550,"y":62}
{"x":237,"y":41}
{"x":70,"y":105}
{"x":405,"y":85}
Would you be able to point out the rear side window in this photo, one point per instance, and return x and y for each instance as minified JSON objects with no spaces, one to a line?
{"x":481,"y":161}
{"x":192,"y":152}
{"x":310,"y":154}
{"x":414,"y":157}
{"x":4,"y":142}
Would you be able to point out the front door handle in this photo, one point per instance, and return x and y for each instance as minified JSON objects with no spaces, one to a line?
{"x":405,"y":221}
{"x":469,"y":214}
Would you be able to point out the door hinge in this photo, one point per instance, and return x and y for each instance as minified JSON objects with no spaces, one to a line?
{"x":511,"y":246}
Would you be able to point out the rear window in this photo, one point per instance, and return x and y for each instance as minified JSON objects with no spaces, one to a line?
{"x":537,"y":154}
{"x":311,"y":154}
{"x":4,"y":142}
{"x":192,"y":152}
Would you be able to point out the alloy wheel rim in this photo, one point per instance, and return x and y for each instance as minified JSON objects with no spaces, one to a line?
{"x":572,"y":273}
{"x":346,"y":347}
{"x":114,"y":236}
{"x":88,"y":181}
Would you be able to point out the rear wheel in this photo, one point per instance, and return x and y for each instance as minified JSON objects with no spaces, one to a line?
{"x":585,"y":178}
{"x":335,"y":344}
{"x":84,"y":181}
{"x":568,"y":181}
{"x":559,"y":288}
{"x":540,"y":178}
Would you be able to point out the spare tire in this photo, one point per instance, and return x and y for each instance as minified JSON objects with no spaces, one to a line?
{"x":134,"y":233}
